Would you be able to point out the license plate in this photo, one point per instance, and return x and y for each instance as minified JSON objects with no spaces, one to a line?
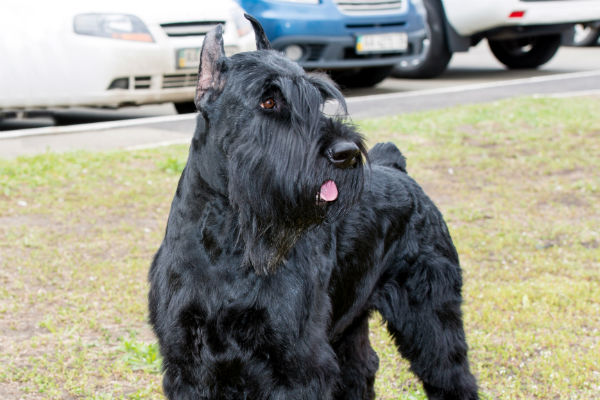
{"x":188,"y":58}
{"x":382,"y":43}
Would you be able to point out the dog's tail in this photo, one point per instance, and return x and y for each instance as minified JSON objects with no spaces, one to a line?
{"x":387,"y":155}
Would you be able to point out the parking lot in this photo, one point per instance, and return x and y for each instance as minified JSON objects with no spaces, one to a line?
{"x":472,"y":77}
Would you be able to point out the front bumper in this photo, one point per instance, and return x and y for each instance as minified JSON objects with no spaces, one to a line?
{"x":67,"y":70}
{"x":330,"y":53}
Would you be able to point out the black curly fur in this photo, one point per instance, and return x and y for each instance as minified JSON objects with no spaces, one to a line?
{"x":261,"y":291}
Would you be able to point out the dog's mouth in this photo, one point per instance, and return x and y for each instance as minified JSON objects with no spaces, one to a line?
{"x":328,"y":193}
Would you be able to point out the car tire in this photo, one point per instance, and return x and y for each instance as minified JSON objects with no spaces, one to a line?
{"x":365,"y":77}
{"x":527,"y":52}
{"x":185,"y":107}
{"x":585,"y":35}
{"x":435,"y":56}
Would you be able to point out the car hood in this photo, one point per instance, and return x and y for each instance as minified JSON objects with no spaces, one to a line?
{"x":149,"y":12}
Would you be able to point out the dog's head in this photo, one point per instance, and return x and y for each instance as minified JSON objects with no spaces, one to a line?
{"x":283,"y":164}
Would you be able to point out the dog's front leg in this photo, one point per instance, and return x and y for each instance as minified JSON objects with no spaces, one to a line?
{"x":358,"y":362}
{"x":183,"y":376}
{"x":175,"y":387}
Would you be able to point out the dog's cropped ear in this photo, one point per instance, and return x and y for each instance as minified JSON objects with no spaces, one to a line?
{"x":209,"y":72}
{"x":262,"y":43}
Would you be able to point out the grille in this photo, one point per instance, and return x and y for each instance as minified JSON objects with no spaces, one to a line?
{"x":357,"y":7}
{"x":142,"y":82}
{"x":315,"y":51}
{"x":192,"y":28}
{"x":179,"y":81}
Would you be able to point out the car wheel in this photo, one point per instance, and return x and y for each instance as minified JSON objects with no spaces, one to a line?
{"x":365,"y":77}
{"x":185,"y":107}
{"x":435,"y":55}
{"x":523,"y":53}
{"x":585,"y":35}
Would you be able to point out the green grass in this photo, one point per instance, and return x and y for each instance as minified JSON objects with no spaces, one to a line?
{"x":140,"y":356}
{"x":518,"y":182}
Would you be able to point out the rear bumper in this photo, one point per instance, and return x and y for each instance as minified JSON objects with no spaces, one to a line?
{"x":488,"y":16}
{"x":515,"y":32}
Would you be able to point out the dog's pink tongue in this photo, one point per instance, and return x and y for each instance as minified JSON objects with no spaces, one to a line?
{"x":329,"y":191}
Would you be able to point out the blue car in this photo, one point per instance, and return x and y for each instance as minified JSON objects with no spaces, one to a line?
{"x":357,"y":42}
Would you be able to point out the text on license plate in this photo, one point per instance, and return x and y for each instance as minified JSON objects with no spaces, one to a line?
{"x":383,"y":42}
{"x":188,"y":58}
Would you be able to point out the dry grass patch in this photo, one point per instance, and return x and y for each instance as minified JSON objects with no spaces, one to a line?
{"x":517,"y":181}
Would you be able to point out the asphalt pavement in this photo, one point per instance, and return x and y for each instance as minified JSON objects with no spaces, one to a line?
{"x":472,"y":77}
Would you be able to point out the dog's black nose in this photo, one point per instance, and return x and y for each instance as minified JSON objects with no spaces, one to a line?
{"x":344,"y":154}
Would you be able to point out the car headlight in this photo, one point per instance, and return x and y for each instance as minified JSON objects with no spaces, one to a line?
{"x":115,"y":26}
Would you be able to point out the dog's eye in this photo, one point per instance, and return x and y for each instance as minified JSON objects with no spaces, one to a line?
{"x":268,"y":103}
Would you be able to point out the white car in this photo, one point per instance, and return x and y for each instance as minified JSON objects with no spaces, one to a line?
{"x":109,"y":53}
{"x":520,"y":33}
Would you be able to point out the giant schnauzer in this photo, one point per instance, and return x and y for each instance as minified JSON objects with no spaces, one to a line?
{"x":285,"y":235}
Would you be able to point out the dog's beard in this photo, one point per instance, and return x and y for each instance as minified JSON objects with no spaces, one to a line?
{"x":276,"y":206}
{"x":266,"y":244}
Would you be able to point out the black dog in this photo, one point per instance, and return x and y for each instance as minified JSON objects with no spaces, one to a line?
{"x":281,"y":241}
